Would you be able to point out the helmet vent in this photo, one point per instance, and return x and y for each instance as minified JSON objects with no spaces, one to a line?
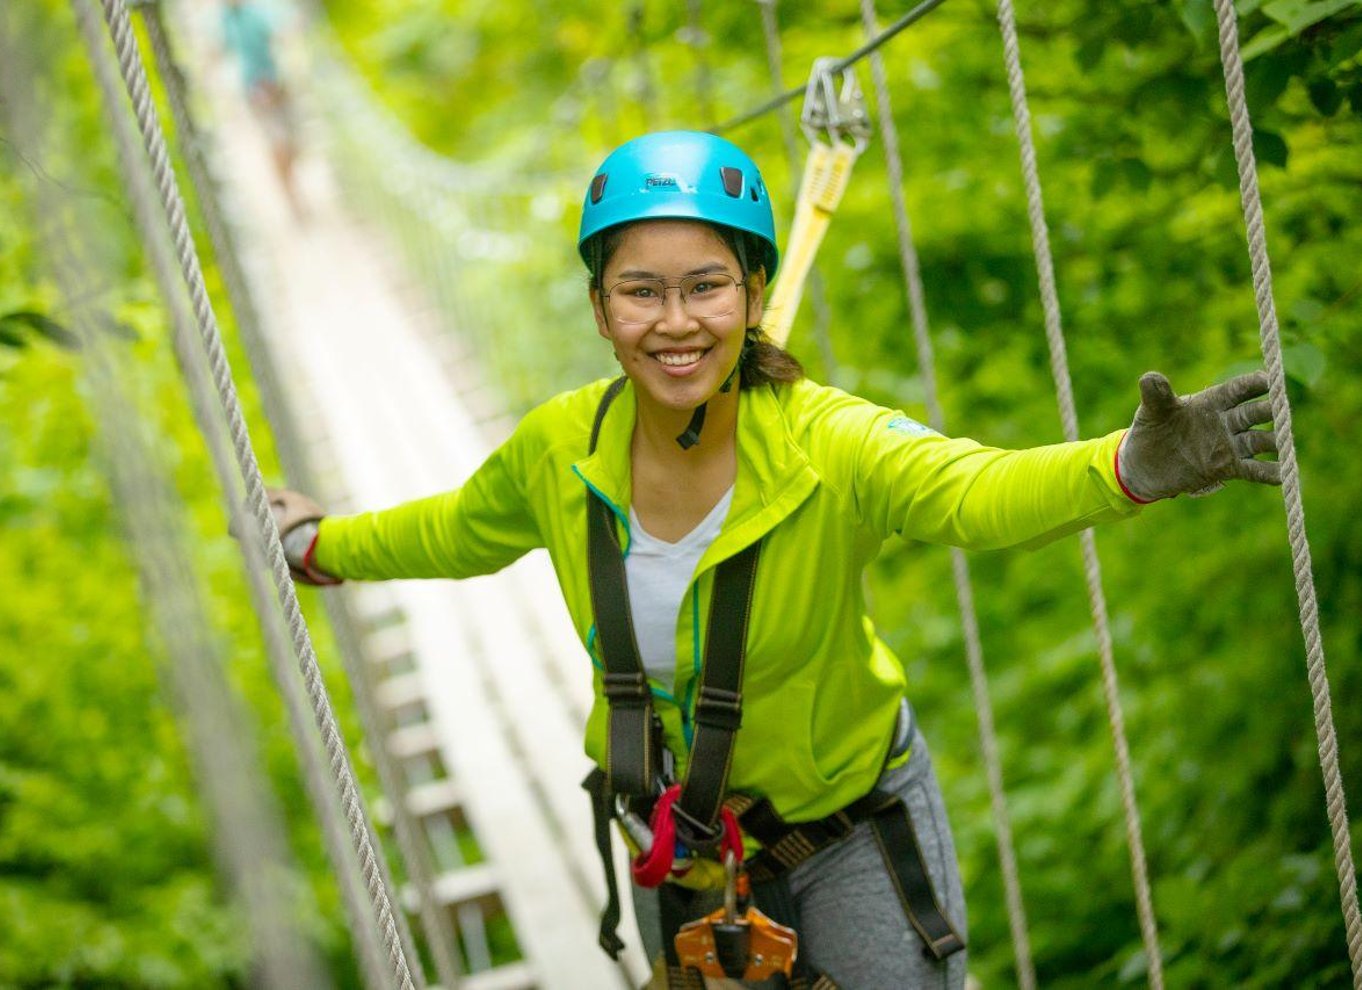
{"x":755,"y":197}
{"x":598,"y":187}
{"x":732,"y":178}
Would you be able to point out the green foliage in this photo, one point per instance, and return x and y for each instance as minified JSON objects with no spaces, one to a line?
{"x":1142,"y":202}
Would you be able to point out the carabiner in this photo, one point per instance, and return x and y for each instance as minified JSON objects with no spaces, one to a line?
{"x":662,"y":855}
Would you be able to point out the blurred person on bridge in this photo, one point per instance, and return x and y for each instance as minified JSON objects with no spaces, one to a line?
{"x":248,"y":32}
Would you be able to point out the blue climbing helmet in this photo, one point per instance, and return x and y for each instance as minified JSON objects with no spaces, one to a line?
{"x":684,"y":175}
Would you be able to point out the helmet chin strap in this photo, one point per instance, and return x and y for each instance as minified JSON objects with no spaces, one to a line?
{"x":691,"y":437}
{"x":692,"y":432}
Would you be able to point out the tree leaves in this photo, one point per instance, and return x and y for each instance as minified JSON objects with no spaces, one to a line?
{"x":1297,"y":15}
{"x":13,"y":325}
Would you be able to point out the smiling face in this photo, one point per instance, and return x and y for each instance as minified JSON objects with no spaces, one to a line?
{"x":676,"y":358}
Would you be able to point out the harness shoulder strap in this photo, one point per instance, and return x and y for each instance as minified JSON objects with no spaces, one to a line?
{"x":718,"y":703}
{"x":629,"y":756}
{"x":611,"y":392}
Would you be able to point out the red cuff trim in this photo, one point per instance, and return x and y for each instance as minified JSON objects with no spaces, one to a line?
{"x":310,"y":568}
{"x":1116,"y":463}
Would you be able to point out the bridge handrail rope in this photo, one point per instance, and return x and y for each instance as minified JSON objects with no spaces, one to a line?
{"x":964,"y":587}
{"x":1092,"y":567}
{"x":246,"y":830}
{"x":277,"y":649}
{"x":135,"y":80}
{"x":196,"y":146}
{"x":1270,"y":341}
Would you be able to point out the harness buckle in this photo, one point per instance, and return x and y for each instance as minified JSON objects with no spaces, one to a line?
{"x":696,"y":834}
{"x":717,"y":708}
{"x":629,"y":690}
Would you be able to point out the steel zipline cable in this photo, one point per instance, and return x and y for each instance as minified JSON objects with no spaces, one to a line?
{"x":834,"y":68}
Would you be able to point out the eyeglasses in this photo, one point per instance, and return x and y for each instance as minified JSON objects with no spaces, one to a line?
{"x":707,"y":296}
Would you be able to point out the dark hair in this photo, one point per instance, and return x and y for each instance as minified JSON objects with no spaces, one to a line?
{"x":763,"y":361}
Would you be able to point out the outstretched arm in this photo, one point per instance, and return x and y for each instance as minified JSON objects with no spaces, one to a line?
{"x":476,"y":529}
{"x":958,"y":492}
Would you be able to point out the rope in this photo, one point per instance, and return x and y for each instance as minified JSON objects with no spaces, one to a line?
{"x":195,"y":145}
{"x":818,"y":297}
{"x":135,"y":80}
{"x":163,"y":267}
{"x":1092,"y":569}
{"x":247,"y":833}
{"x":1270,"y":340}
{"x":964,"y":588}
{"x":341,"y":617}
{"x":841,"y":65}
{"x":278,"y":650}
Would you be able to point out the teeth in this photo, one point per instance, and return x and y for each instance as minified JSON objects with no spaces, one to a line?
{"x":680,"y":360}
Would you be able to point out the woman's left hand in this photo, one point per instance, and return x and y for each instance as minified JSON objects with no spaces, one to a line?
{"x":1193,"y":444}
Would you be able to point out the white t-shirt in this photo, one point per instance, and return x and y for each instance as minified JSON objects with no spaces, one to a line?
{"x":659,"y":574}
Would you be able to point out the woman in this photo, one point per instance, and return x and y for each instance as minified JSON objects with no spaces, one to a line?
{"x":709,"y":516}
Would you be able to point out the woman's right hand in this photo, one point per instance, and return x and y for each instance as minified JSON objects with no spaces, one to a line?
{"x":297,"y":517}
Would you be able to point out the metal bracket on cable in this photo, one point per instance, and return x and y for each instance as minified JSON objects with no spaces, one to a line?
{"x":837,"y":111}
{"x":836,"y":122}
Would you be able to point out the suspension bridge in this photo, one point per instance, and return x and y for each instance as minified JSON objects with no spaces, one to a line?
{"x":474,"y":696}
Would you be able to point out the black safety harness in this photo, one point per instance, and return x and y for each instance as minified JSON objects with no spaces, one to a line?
{"x":637,"y":764}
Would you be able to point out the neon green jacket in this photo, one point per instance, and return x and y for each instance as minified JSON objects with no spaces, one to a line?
{"x":825,"y":477}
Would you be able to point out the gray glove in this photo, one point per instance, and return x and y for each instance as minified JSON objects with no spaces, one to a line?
{"x":1195,"y":443}
{"x":297,"y":517}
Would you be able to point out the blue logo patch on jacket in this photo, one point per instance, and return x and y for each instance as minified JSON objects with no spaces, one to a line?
{"x":911,"y":427}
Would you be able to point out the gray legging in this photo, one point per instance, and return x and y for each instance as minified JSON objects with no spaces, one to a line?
{"x":852,"y":925}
